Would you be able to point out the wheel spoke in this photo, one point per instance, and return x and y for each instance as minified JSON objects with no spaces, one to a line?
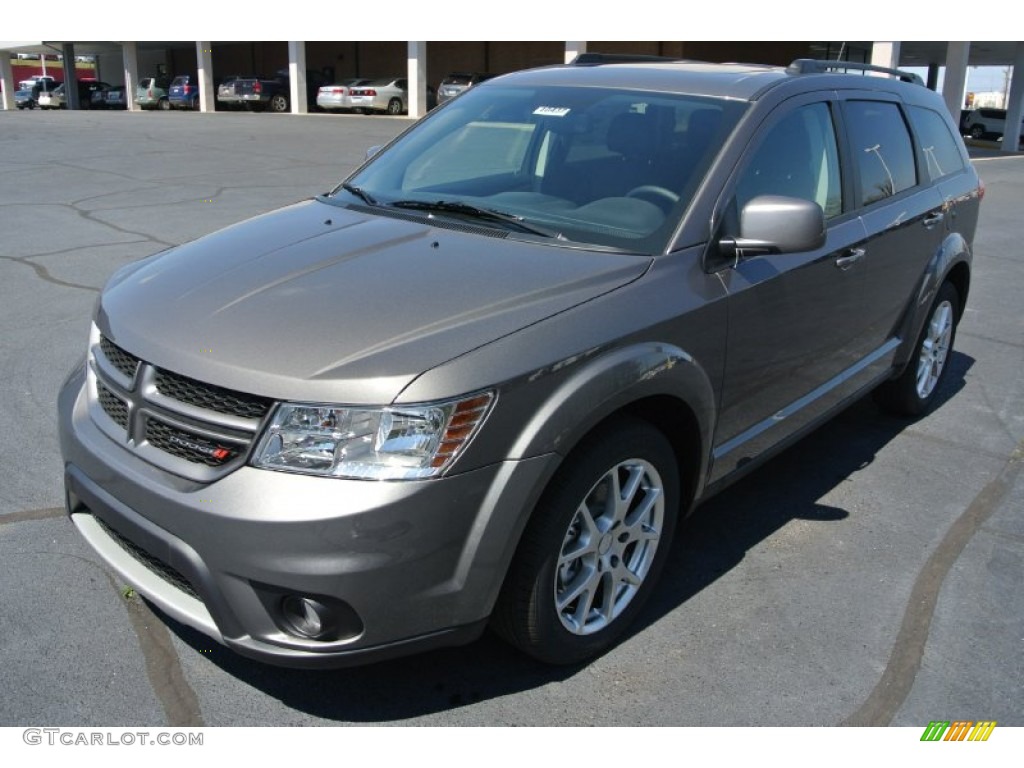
{"x":585,"y":582}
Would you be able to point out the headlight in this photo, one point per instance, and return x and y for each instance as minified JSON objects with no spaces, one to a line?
{"x":392,"y":443}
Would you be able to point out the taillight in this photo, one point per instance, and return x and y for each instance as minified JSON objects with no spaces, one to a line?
{"x":257,"y":87}
{"x":149,"y":94}
{"x":365,"y":92}
{"x":338,"y":90}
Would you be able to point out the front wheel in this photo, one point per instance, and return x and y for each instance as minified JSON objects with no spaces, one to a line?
{"x":594,"y":547}
{"x":977,"y":131}
{"x":914,"y":391}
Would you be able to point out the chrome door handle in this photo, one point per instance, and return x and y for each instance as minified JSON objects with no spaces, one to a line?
{"x":849,"y":258}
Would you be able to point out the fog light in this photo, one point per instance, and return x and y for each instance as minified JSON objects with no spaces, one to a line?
{"x":305,"y":616}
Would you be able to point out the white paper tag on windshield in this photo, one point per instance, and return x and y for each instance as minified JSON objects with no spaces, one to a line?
{"x":551,"y":111}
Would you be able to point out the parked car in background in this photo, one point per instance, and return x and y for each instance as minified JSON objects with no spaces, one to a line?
{"x":115,"y":97}
{"x":457,"y":82}
{"x":183,"y":92}
{"x":386,"y":95}
{"x":227,"y":93}
{"x":98,"y":98}
{"x":51,"y":99}
{"x":482,"y":380}
{"x":57,"y":98}
{"x":27,"y":95}
{"x":988,"y":123}
{"x":152,"y":93}
{"x":274,"y":94}
{"x":337,"y":97}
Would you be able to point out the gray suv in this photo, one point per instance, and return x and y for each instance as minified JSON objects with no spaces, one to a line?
{"x":481,"y":381}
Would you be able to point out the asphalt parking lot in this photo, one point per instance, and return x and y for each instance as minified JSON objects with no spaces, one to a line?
{"x":870,"y":575}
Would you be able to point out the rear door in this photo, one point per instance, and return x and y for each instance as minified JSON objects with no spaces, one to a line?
{"x":899,"y":205}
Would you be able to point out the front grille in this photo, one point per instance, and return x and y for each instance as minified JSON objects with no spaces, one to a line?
{"x":187,"y":445}
{"x":210,"y":397}
{"x":113,"y":405}
{"x":154,"y":564}
{"x":124,"y":362}
{"x":187,"y":427}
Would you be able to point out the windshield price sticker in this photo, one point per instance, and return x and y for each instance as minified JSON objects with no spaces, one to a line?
{"x":551,"y":111}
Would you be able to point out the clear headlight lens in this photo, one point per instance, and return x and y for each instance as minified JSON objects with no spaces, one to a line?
{"x":392,"y":443}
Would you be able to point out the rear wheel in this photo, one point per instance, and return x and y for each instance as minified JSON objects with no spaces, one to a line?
{"x":278,"y":103}
{"x":977,"y":131}
{"x":914,"y":391}
{"x":594,"y":547}
{"x":164,"y":105}
{"x":395,"y":106}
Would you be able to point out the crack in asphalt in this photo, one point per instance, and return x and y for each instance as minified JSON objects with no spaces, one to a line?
{"x":905,"y":661}
{"x":32,"y":514}
{"x":44,"y":274}
{"x":163,"y":666}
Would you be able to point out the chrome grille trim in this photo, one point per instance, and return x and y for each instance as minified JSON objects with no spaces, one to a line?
{"x":202,"y":436}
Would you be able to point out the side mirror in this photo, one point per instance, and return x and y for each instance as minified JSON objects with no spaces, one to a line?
{"x":373,"y":151}
{"x":776,"y":224}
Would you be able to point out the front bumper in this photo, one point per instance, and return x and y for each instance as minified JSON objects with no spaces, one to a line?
{"x":419,"y":563}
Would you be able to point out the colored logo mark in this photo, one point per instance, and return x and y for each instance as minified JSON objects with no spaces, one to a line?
{"x":958,"y":730}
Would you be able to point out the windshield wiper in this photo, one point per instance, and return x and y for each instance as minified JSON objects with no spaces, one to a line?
{"x":476,"y":212}
{"x":361,"y":193}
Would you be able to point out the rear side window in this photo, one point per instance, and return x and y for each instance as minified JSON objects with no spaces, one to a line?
{"x":941,"y":152}
{"x":881,"y":149}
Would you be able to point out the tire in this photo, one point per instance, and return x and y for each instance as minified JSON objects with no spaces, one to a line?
{"x":278,"y":103}
{"x":163,"y":105}
{"x":575,"y":584}
{"x":977,"y":131}
{"x":913,"y":392}
{"x":395,"y":106}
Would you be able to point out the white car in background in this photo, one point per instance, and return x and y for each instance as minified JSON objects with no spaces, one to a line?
{"x":337,"y":97}
{"x":386,"y":94}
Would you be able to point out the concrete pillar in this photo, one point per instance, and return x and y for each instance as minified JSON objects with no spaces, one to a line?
{"x":130,"y":51}
{"x":574,"y":49}
{"x":955,"y":82}
{"x":204,"y":70}
{"x":885,"y":54}
{"x":70,"y":76}
{"x":1015,"y":108}
{"x":297,"y":96}
{"x":7,"y":76}
{"x":417,"y":77}
{"x":933,"y":77}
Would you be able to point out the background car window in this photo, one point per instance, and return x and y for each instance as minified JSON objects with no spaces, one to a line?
{"x":798,"y":158}
{"x":881,"y":148}
{"x":941,"y":154}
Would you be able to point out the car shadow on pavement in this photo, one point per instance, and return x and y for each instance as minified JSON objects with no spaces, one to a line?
{"x":708,"y":544}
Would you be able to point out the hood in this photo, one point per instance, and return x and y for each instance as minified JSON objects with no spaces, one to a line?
{"x":317,"y":302}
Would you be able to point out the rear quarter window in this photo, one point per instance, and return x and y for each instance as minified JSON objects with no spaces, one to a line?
{"x":940,"y":149}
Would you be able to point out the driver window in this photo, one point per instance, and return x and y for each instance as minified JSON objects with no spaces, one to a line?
{"x":798,"y":158}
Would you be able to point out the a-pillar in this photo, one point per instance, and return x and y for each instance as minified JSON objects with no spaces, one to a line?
{"x":1015,"y":109}
{"x":955,"y":82}
{"x":7,"y":76}
{"x":130,"y":54}
{"x":417,"y":86}
{"x":297,"y":77}
{"x":574,"y":49}
{"x":204,"y":67}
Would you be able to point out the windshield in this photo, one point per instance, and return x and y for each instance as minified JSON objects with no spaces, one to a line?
{"x":607,"y":167}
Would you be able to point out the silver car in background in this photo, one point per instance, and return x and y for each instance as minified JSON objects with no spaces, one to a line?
{"x":337,"y":97}
{"x":388,"y":94}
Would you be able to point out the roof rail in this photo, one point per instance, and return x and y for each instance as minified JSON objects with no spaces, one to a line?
{"x":596,"y":59}
{"x":810,"y":66}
